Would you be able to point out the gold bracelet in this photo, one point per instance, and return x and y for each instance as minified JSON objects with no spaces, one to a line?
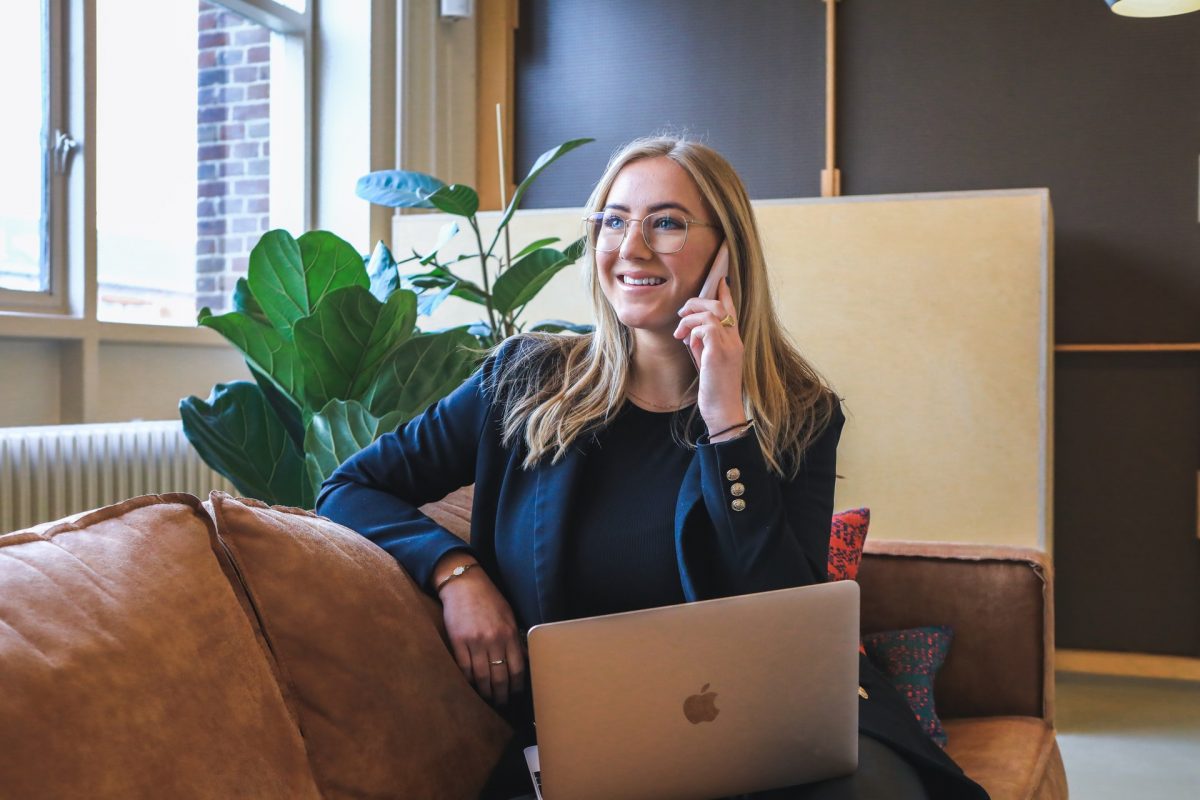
{"x":457,"y":572}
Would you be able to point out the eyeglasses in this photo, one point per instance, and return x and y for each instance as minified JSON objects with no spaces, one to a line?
{"x":664,"y":231}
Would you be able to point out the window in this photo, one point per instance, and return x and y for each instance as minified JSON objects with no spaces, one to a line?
{"x":185,"y":178}
{"x":199,"y":141}
{"x":25,"y":145}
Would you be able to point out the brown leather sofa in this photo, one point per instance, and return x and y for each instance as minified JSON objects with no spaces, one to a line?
{"x":995,"y":693}
{"x":164,"y":647}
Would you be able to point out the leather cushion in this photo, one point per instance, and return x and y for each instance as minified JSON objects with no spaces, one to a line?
{"x":453,"y":512}
{"x":384,"y":709}
{"x":1014,"y":758}
{"x":129,"y":669}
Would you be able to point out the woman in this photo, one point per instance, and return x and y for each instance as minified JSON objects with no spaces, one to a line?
{"x":683,"y":451}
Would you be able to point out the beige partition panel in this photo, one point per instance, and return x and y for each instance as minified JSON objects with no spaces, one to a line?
{"x":929,"y":313}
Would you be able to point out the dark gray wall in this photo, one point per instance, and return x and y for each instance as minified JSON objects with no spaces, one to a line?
{"x":945,"y":95}
{"x":749,"y":78}
{"x":1126,"y":553}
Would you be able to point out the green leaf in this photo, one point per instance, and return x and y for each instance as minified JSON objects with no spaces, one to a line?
{"x":275,"y":277}
{"x":560,"y":325}
{"x":340,"y":430}
{"x":459,"y":200}
{"x":330,"y":263}
{"x":529,"y":248}
{"x":289,"y":278}
{"x":243,"y":300}
{"x":264,"y":347}
{"x":397,"y":188}
{"x":470,"y":292}
{"x":237,"y":434}
{"x":343,"y":344}
{"x":448,"y":232}
{"x":518,"y":284}
{"x":544,"y":160}
{"x":382,"y":272}
{"x":285,"y":408}
{"x":431,"y":280}
{"x":423,"y":370}
{"x":575,"y":249}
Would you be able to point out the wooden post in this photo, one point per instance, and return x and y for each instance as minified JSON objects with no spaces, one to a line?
{"x":496,"y":27}
{"x":831,"y":176}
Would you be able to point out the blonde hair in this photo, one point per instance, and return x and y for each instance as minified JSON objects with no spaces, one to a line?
{"x":559,"y":387}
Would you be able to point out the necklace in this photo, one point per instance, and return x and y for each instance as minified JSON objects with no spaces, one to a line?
{"x":658,"y":406}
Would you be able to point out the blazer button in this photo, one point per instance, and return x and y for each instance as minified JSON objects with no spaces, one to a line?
{"x":737,"y":489}
{"x":863,"y":693}
{"x":738,"y":505}
{"x":733,"y":474}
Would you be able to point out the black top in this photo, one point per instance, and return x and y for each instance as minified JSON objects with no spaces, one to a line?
{"x":620,"y":551}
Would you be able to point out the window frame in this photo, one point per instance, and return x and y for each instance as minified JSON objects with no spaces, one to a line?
{"x":54,"y":183}
{"x":72,"y":351}
{"x":68,"y":309}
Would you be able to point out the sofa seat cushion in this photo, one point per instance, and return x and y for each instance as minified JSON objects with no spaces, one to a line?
{"x":1014,"y":758}
{"x":129,"y":669}
{"x":382,"y":705}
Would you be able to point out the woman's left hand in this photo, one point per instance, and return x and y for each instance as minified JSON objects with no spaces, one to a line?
{"x":717,"y":349}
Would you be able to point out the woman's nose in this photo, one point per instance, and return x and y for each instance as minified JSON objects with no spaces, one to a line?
{"x":634,"y":248}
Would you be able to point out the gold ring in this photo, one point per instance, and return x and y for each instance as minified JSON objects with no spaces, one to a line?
{"x":728,"y":321}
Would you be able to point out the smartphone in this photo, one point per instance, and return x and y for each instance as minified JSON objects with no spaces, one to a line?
{"x":716,"y":274}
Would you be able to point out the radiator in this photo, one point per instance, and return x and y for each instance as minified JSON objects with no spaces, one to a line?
{"x":55,"y":471}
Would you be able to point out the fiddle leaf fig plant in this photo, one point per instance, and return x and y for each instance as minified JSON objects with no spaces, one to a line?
{"x":332,"y":362}
{"x":332,"y":343}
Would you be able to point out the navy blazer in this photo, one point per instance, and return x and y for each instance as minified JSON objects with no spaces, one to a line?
{"x":520,"y":517}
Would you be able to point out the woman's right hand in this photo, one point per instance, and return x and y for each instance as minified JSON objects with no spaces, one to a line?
{"x":482,"y":629}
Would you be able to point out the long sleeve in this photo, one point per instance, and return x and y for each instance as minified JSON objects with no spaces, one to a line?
{"x":780,"y":536}
{"x":378,"y":490}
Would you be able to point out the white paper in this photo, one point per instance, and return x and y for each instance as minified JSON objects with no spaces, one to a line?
{"x":535,"y":769}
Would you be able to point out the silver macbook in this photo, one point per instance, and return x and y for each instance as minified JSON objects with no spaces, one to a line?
{"x":698,"y":700}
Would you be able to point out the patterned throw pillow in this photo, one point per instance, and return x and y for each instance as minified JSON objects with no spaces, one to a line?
{"x":846,"y":538}
{"x":910,"y":659}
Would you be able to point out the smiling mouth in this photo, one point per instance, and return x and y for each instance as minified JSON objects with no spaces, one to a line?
{"x":628,"y":281}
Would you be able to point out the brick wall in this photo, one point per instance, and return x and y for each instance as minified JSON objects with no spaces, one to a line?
{"x":234,"y":150}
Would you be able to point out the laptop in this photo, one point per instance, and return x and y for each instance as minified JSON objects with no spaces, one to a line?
{"x":699,"y":700}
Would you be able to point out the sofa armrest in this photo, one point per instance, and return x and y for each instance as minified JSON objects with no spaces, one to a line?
{"x":998,"y":600}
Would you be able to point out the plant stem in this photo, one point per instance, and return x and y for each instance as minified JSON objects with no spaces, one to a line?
{"x":510,"y":318}
{"x":446,"y":270}
{"x":483,"y":267}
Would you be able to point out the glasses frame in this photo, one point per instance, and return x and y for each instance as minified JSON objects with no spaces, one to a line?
{"x":687,"y":224}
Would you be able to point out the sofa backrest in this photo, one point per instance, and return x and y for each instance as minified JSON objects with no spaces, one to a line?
{"x":998,"y":599}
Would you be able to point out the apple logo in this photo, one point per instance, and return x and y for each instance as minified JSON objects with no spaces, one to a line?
{"x":701,"y":707}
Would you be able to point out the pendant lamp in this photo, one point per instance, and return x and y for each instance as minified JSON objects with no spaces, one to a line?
{"x":1152,"y":8}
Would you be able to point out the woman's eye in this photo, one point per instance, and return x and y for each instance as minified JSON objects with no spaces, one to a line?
{"x":613,"y":222}
{"x":666,"y":222}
